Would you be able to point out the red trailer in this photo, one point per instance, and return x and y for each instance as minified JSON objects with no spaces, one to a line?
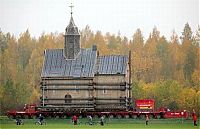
{"x":177,"y":114}
{"x":142,"y":108}
{"x":145,"y":104}
{"x":29,"y":111}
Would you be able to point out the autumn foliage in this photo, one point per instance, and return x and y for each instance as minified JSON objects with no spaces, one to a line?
{"x":164,"y":70}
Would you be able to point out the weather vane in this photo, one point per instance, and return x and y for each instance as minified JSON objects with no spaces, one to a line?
{"x":71,"y":6}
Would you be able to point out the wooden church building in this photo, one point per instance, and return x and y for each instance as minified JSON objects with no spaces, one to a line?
{"x":79,"y":79}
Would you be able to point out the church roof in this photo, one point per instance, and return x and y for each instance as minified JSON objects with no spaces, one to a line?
{"x":86,"y":64}
{"x":56,"y":65}
{"x":112,"y":64}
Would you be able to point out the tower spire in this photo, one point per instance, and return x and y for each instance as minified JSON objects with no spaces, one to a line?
{"x":72,"y":39}
{"x":71,"y":6}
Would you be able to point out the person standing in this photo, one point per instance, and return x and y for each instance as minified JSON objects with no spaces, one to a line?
{"x":102,"y":120}
{"x":41,"y":119}
{"x":195,"y":119}
{"x":90,"y":120}
{"x":147,"y":119}
{"x":18,"y":121}
{"x":75,"y":119}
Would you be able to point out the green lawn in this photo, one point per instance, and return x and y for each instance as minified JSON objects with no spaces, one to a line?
{"x":111,"y":124}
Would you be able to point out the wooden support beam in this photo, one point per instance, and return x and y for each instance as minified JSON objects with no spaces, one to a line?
{"x":68,"y":98}
{"x":91,"y":103}
{"x":87,"y":88}
{"x":110,"y":103}
{"x":67,"y":78}
{"x":123,"y":98}
{"x":84,"y":84}
{"x":63,"y":106}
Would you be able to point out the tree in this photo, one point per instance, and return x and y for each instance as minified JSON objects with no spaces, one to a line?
{"x":187,"y":99}
{"x":10,"y":57}
{"x":150,"y":50}
{"x":9,"y":96}
{"x":166,"y":92}
{"x":87,"y":37}
{"x":176,"y":58}
{"x":137,"y":42}
{"x":186,"y":34}
{"x":3,"y":47}
{"x":25,"y":47}
{"x":190,"y":52}
{"x":157,"y":63}
{"x":3,"y":41}
{"x":163,"y":54}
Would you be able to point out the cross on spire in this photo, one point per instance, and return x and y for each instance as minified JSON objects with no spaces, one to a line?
{"x":71,"y":6}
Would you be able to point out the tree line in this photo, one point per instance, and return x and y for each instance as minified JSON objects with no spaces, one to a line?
{"x":164,"y":70}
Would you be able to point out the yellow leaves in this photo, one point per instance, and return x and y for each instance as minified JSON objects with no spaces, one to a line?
{"x":196,"y":79}
{"x":146,"y":65}
{"x":34,"y":96}
{"x":10,"y":59}
{"x":149,"y":91}
{"x":1,"y":92}
{"x":168,"y":93}
{"x":187,"y":98}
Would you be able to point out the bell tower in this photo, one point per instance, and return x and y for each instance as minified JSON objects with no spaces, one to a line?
{"x":72,"y":39}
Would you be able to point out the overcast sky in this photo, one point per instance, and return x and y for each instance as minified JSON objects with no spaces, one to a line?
{"x":105,"y":15}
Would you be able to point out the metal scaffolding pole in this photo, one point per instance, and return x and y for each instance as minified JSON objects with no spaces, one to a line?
{"x":42,"y":95}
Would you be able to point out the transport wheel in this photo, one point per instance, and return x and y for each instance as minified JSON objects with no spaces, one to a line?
{"x":151,"y":116}
{"x":96,"y":116}
{"x":26,"y":117}
{"x":53,"y":116}
{"x":18,"y":116}
{"x":134,"y":116}
{"x":11,"y":117}
{"x":46,"y":116}
{"x":119,"y":116}
{"x":80,"y":116}
{"x":65,"y":116}
{"x":111,"y":116}
{"x":33,"y":116}
{"x":158,"y":116}
{"x":142,"y":116}
{"x":126,"y":116}
{"x":61,"y":116}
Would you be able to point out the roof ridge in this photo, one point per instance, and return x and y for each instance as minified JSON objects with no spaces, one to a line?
{"x":112,"y":55}
{"x":55,"y":49}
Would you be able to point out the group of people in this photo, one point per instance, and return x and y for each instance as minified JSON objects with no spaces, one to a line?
{"x":193,"y":115}
{"x":75,"y":120}
{"x":40,"y":120}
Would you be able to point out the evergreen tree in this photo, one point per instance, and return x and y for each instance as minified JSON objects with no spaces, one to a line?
{"x":190,"y":52}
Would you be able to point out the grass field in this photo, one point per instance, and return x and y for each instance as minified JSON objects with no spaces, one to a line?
{"x":110,"y":124}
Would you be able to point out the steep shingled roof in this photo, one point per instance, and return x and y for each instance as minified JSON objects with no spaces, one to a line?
{"x":112,"y":64}
{"x":55,"y":64}
{"x":86,"y":64}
